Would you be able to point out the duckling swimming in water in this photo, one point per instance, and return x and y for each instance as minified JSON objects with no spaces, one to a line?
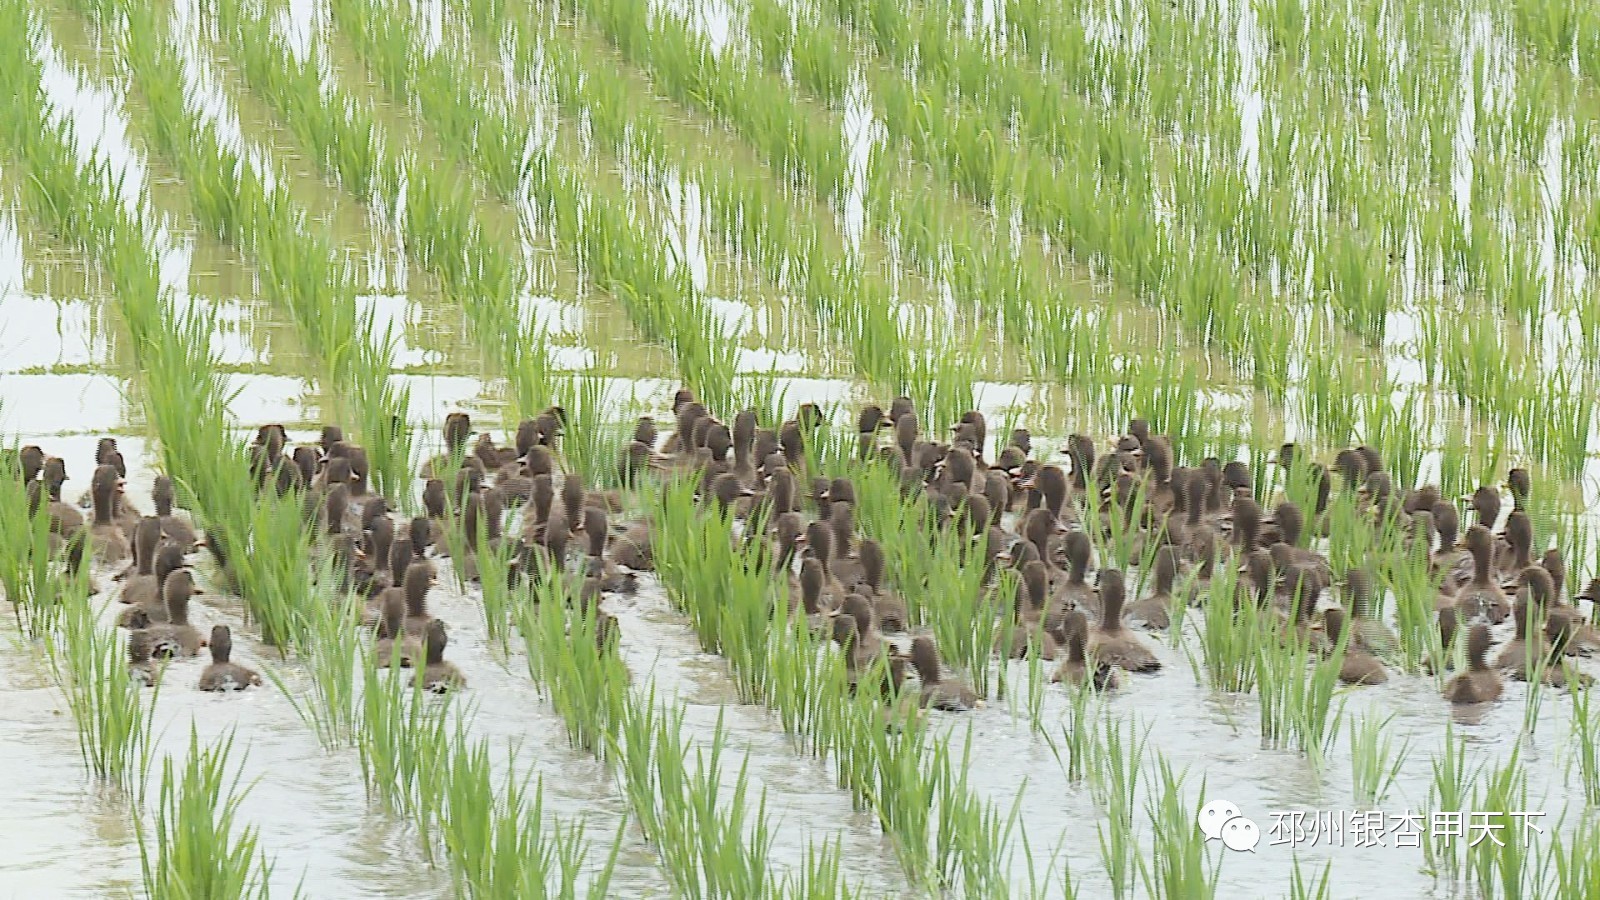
{"x":176,"y":637}
{"x":437,"y":675}
{"x":394,"y":645}
{"x":1154,"y":610}
{"x":1479,"y":684}
{"x":223,"y":674}
{"x":177,"y":529}
{"x":110,"y":541}
{"x":1110,"y":641}
{"x":1074,"y":668}
{"x":939,"y":691}
{"x":1358,"y":666}
{"x":1482,"y":596}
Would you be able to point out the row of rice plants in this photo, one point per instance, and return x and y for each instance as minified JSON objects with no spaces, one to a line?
{"x":891,"y":761}
{"x":1541,"y":437}
{"x":300,"y":268}
{"x":851,"y":298}
{"x":660,"y":297}
{"x":420,"y":760}
{"x":980,"y":262}
{"x":437,"y":221}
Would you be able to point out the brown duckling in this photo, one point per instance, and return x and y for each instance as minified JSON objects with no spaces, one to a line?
{"x":64,"y":517}
{"x":1028,"y":625}
{"x":437,"y":675}
{"x":176,"y":637}
{"x":1518,"y":549}
{"x":110,"y":541}
{"x":1367,"y":630}
{"x":1479,"y":684}
{"x":177,"y":528}
{"x":888,"y":607}
{"x":144,"y":593}
{"x":1482,"y":596}
{"x":141,"y":664}
{"x":939,"y":691}
{"x":1528,"y":616}
{"x":1073,"y":591}
{"x":1110,"y":642}
{"x":1154,"y":610}
{"x":146,"y":538}
{"x":596,"y":531}
{"x":1358,"y":666}
{"x":1075,"y":668}
{"x":223,"y":674}
{"x":419,"y":577}
{"x":392,"y":638}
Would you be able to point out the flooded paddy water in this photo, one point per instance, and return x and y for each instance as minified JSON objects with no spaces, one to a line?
{"x":1328,"y":223}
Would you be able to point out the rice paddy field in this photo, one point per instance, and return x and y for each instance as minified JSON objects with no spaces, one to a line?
{"x":1186,"y":231}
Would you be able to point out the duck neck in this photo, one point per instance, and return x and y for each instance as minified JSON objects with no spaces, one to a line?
{"x":103,"y":504}
{"x":1480,"y":564}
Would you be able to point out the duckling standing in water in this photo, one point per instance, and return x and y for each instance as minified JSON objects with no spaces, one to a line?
{"x":1479,"y":684}
{"x":223,"y":674}
{"x":437,"y":675}
{"x":938,"y":690}
{"x":419,"y":577}
{"x":141,"y":666}
{"x":1111,"y":642}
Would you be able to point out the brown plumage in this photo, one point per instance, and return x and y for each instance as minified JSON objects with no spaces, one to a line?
{"x":223,"y":674}
{"x":1479,"y":684}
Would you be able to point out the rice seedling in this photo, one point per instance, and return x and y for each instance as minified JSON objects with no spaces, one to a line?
{"x":1449,"y":795}
{"x":1506,"y":860}
{"x":1297,"y":706}
{"x":1179,"y":864}
{"x":26,"y":570}
{"x":1233,"y":629}
{"x":1375,"y":762}
{"x":1585,"y":729}
{"x":196,"y":850}
{"x":569,"y":659}
{"x":108,"y":707}
{"x":1311,"y":887}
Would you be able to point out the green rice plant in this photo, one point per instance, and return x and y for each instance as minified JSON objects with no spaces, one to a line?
{"x":1313,"y":887}
{"x":1297,"y":706}
{"x":1576,"y":860}
{"x":108,"y":707}
{"x":1585,"y":730}
{"x":399,"y":732}
{"x":1179,"y":864}
{"x":593,"y":440}
{"x":1506,"y":861}
{"x":1118,"y":762}
{"x":820,"y":877}
{"x":196,"y":851}
{"x":970,"y":836}
{"x":1415,"y":587}
{"x":587,"y":684}
{"x":1080,"y":735}
{"x":1375,"y":762}
{"x":1233,"y":629}
{"x":499,"y":839}
{"x":332,"y":653}
{"x":1449,"y":794}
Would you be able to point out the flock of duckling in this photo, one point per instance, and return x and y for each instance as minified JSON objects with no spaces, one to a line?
{"x":1035,"y":515}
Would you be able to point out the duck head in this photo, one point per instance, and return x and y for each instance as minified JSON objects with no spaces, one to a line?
{"x":178,"y":589}
{"x":434,"y":640}
{"x":419,"y":577}
{"x":221,"y":644}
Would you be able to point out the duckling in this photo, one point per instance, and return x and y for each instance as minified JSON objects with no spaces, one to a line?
{"x":1074,"y":591}
{"x":141,"y":666}
{"x":1447,"y":637}
{"x":419,"y":577}
{"x":1154,"y":610}
{"x":1028,"y":626}
{"x":1447,"y":524}
{"x":1110,"y":641}
{"x":1519,"y":548}
{"x":1358,"y":666}
{"x":437,"y":675}
{"x":178,"y":529}
{"x":64,"y":517}
{"x":176,"y":637}
{"x":596,"y":530}
{"x":1556,"y":671}
{"x":457,"y":431}
{"x":1479,"y":684}
{"x":887,"y":605}
{"x":146,"y":537}
{"x":868,"y":642}
{"x":939,"y":691}
{"x":1482,"y":596}
{"x":223,"y":675}
{"x":1074,"y":667}
{"x":109,"y":540}
{"x":493,"y":457}
{"x":392,"y":638}
{"x":145,"y":595}
{"x":1367,"y":631}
